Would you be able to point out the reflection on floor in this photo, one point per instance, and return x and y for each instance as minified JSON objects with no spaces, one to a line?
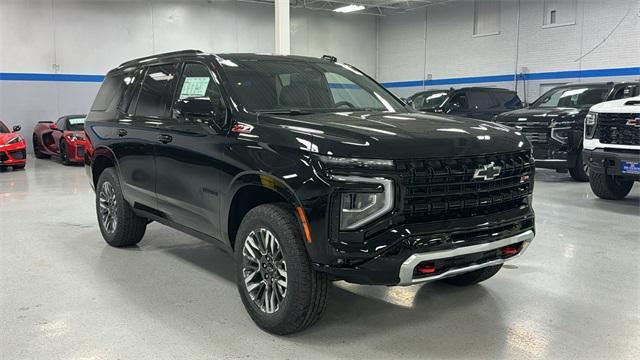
{"x":65,"y":294}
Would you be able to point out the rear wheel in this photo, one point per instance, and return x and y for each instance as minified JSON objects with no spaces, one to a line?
{"x":36,"y":149}
{"x":581,"y":171}
{"x":610,"y":187}
{"x":473,"y":277}
{"x":119,"y":225}
{"x":63,"y":153}
{"x":280,"y":289}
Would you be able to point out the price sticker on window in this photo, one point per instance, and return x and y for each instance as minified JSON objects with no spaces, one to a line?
{"x":194,"y":87}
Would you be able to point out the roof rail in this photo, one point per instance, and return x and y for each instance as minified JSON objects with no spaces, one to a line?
{"x":151,"y":57}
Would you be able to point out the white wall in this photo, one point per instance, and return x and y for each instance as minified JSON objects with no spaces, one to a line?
{"x":453,"y":52}
{"x":93,"y":36}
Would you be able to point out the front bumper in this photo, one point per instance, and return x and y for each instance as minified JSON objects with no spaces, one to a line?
{"x":14,"y":154}
{"x":76,"y":150}
{"x":609,"y":161}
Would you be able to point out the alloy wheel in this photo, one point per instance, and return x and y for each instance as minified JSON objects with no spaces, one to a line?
{"x":108,"y":207}
{"x":264,"y":270}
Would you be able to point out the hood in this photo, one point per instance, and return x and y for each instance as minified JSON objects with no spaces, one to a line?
{"x":626,"y":106}
{"x":5,"y":137}
{"x":544,"y":115}
{"x":398,"y":135}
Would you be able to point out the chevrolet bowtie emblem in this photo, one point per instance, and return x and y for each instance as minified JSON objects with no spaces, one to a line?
{"x":487,"y":172}
{"x":634,"y":122}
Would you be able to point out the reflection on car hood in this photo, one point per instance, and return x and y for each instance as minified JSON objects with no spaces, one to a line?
{"x":398,"y":135}
{"x":546,"y":115}
{"x":5,"y":137}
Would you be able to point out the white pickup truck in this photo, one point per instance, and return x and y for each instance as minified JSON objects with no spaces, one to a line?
{"x":612,"y":147}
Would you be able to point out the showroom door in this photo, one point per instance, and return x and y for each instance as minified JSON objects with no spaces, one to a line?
{"x":189,"y":156}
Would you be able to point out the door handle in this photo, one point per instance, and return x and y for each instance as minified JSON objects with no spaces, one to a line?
{"x":122,"y":132}
{"x":164,"y":138}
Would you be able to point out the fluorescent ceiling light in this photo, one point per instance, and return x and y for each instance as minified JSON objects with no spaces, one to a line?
{"x":349,"y":8}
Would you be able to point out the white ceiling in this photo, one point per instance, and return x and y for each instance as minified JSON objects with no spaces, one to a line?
{"x":374,"y":7}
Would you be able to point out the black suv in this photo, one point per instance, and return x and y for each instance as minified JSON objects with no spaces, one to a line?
{"x":473,"y":102}
{"x":309,"y":171}
{"x":554,"y":123}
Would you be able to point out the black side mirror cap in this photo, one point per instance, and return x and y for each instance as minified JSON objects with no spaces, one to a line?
{"x":200,"y":109}
{"x":17,"y":128}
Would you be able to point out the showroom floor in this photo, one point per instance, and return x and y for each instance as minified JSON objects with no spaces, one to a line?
{"x":65,"y":294}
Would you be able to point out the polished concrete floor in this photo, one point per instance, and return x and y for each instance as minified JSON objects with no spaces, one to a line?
{"x":64,"y":294}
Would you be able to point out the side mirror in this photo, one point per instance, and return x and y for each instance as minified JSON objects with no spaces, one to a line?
{"x":53,"y":126}
{"x":17,"y":128}
{"x":200,"y":109}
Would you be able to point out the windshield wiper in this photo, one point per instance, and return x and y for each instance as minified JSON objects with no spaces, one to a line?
{"x":286,"y":112}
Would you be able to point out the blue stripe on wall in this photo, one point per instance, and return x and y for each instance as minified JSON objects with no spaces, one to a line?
{"x":572,"y":74}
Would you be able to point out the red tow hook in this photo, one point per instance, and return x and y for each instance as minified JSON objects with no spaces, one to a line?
{"x":426,"y":268}
{"x":509,"y":250}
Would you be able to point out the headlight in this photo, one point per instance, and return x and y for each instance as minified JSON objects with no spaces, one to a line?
{"x":356,"y":162}
{"x":590,"y":122}
{"x":362,"y":207}
{"x":560,"y":134}
{"x":74,"y":137}
{"x":14,"y":140}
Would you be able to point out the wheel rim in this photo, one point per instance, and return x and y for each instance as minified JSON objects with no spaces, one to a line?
{"x":585,"y":167}
{"x":108,"y":207}
{"x":264,"y":270}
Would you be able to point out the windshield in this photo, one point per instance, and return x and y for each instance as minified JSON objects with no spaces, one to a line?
{"x":573,"y":97}
{"x":3,"y":128}
{"x":285,"y":85}
{"x":75,"y":123}
{"x":430,"y":99}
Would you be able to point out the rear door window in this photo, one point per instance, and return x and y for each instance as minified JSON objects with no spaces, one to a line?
{"x":507,"y":100}
{"x":110,"y":93}
{"x":156,"y":93}
{"x":481,"y":100}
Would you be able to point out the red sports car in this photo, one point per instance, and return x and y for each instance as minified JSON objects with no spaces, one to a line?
{"x":13,"y":148}
{"x":64,"y":138}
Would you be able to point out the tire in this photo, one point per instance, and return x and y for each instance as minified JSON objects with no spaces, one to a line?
{"x":610,"y":187}
{"x":125,"y":228}
{"x":581,"y":171}
{"x":19,"y":167}
{"x":473,"y":277}
{"x":36,"y":149}
{"x":303,"y":301}
{"x":63,"y":154}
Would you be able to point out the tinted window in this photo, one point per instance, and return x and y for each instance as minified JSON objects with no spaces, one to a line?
{"x":132,"y":81}
{"x":574,"y":96}
{"x":481,"y":100}
{"x":75,"y":123}
{"x":429,"y":99}
{"x":3,"y":128}
{"x":156,"y":92}
{"x":626,"y":91}
{"x":60,"y":124}
{"x":109,"y":93}
{"x":272,"y":85}
{"x":461,"y":99}
{"x":507,"y":100}
{"x":196,"y":82}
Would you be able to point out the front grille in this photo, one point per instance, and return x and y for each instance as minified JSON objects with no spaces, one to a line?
{"x":18,"y":154}
{"x":446,"y":188}
{"x":535,"y":134}
{"x":612,"y":129}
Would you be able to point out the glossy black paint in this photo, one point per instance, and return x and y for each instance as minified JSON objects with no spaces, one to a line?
{"x":550,"y":153}
{"x":194,"y":176}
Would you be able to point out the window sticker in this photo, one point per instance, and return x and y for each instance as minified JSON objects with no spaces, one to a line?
{"x":194,"y":87}
{"x":76,"y":121}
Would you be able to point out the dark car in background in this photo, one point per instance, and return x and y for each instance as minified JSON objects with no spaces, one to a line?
{"x":473,"y":102}
{"x":554,"y":123}
{"x":308,"y":171}
{"x":64,"y":138}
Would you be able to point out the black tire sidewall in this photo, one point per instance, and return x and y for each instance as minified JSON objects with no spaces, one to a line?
{"x":279,"y":316}
{"x":110,"y":175}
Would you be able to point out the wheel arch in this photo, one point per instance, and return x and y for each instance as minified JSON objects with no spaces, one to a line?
{"x":101,"y":159}
{"x":249,"y":190}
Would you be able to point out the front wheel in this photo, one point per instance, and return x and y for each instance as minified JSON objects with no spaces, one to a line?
{"x":473,"y":277}
{"x":580,"y":171}
{"x":610,"y":187}
{"x":119,"y":225}
{"x":280,"y":289}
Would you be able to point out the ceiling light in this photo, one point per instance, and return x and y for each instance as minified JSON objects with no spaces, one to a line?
{"x":349,"y":8}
